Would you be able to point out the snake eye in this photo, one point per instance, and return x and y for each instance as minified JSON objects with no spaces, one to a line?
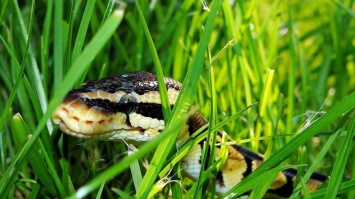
{"x":128,"y":99}
{"x":128,"y":103}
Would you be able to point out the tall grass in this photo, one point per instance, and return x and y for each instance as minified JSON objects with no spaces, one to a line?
{"x":296,"y":58}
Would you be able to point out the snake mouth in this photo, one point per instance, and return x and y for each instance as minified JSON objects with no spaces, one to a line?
{"x":79,"y":120}
{"x":109,"y":135}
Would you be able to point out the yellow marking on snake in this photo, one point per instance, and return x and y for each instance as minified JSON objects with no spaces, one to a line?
{"x":128,"y":107}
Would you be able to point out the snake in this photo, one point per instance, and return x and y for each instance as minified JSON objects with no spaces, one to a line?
{"x":128,"y":107}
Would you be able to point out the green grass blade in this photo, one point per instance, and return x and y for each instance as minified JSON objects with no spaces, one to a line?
{"x":159,"y":71}
{"x":14,"y":89}
{"x":183,"y":102}
{"x":305,"y":189}
{"x":122,"y":194}
{"x":136,"y":171}
{"x":58,"y":44}
{"x":108,"y":10}
{"x":99,"y":194}
{"x":45,"y":43}
{"x":301,"y":160}
{"x":8,"y":178}
{"x":3,"y":8}
{"x":261,"y":188}
{"x":348,"y":10}
{"x":37,"y":160}
{"x":172,"y":24}
{"x":80,"y":38}
{"x":340,"y":162}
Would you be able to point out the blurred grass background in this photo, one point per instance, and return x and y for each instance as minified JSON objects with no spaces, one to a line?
{"x":296,"y":58}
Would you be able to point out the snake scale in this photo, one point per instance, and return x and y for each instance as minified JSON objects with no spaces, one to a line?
{"x":128,"y":107}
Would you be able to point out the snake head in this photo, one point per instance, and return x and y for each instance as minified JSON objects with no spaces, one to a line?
{"x":114,"y":108}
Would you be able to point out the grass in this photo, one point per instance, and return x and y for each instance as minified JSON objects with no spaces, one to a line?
{"x":295,"y":58}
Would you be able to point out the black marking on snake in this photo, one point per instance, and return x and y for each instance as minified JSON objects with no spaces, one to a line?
{"x":139,"y":82}
{"x":249,"y":157}
{"x":146,"y":109}
{"x":72,"y":95}
{"x":318,"y":176}
{"x":127,"y":121}
{"x":249,"y":168}
{"x":219,"y":178}
{"x":247,"y":153}
{"x":151,"y":110}
{"x":286,"y":189}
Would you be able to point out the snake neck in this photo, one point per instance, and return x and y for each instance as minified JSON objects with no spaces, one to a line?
{"x":194,"y":123}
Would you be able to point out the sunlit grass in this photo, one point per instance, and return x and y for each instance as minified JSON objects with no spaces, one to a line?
{"x":293,"y":57}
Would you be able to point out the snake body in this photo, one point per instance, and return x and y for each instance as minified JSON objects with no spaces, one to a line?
{"x":128,"y":107}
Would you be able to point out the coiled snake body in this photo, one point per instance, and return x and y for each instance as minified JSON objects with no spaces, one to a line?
{"x":128,"y":107}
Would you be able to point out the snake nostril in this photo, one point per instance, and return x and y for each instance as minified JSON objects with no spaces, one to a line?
{"x":76,"y":118}
{"x":111,"y":120}
{"x":89,"y":122}
{"x":102,"y":122}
